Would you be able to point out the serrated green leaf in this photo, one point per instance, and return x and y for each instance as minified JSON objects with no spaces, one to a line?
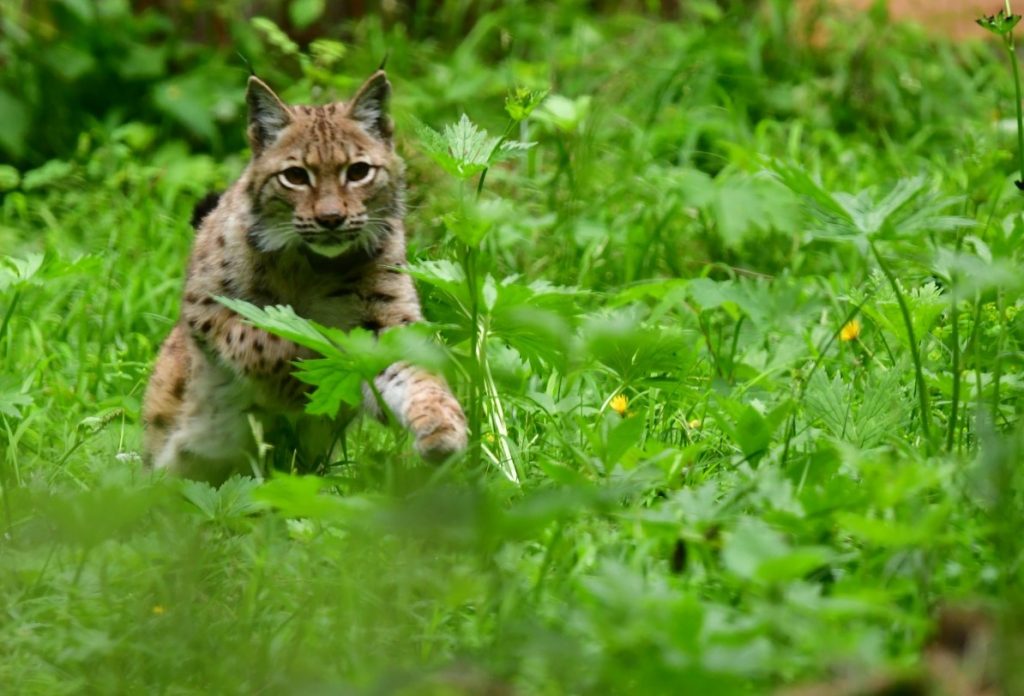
{"x":282,"y":320}
{"x":335,"y":384}
{"x":463,"y":149}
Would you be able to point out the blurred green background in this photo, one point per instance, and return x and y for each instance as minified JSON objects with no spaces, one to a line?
{"x":718,"y":492}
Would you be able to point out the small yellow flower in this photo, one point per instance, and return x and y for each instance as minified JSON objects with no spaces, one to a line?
{"x":850,"y":331}
{"x":619,"y":404}
{"x":158,"y":609}
{"x":695,"y":423}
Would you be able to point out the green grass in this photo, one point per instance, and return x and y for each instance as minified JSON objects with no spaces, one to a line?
{"x":774,"y":503}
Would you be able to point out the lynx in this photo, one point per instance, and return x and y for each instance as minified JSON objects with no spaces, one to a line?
{"x":315,"y":221}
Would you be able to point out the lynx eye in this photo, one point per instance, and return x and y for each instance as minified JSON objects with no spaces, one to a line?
{"x":357,"y":171}
{"x":294,"y":176}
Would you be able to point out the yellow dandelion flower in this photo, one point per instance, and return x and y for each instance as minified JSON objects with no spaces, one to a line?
{"x":159,"y":610}
{"x":619,"y":404}
{"x":695,"y":423}
{"x":850,"y":331}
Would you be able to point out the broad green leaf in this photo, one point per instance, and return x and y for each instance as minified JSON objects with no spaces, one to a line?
{"x":567,"y":115}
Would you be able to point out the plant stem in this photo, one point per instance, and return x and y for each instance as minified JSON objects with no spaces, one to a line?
{"x":922,"y":389}
{"x":955,"y":397}
{"x":1020,"y":114}
{"x":475,"y":395}
{"x":1012,"y":52}
{"x":954,"y":411}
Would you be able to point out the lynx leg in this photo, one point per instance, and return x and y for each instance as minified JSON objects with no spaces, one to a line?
{"x":423,"y":404}
{"x":197,"y":422}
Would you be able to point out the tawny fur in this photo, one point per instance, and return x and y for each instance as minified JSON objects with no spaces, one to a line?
{"x":328,"y":241}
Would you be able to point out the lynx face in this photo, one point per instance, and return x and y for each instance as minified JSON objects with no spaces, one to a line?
{"x":324,"y":177}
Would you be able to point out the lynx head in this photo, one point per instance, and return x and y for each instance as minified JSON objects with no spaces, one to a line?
{"x":323,"y":177}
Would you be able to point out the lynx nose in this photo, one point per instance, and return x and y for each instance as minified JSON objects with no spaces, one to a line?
{"x":331,"y":221}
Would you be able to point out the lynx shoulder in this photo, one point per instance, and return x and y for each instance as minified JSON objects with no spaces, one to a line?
{"x":315,"y":221}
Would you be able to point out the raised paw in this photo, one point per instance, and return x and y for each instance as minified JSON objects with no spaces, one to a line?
{"x":440,"y":428}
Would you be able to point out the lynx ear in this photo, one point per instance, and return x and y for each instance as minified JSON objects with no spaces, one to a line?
{"x":369,"y":107}
{"x":267,"y":114}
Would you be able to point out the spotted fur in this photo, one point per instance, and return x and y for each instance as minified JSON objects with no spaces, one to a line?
{"x":316,"y":222}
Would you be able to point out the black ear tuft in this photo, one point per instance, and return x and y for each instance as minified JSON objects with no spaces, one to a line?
{"x":370,"y":106}
{"x":268,"y":115}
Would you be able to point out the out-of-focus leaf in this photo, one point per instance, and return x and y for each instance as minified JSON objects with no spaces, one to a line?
{"x":51,"y":173}
{"x":305,"y":12}
{"x":14,"y":115}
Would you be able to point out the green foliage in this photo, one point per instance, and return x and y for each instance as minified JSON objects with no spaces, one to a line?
{"x":349,"y":358}
{"x":463,"y":150}
{"x":686,"y":475}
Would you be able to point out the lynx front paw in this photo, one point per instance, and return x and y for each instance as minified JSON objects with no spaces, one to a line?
{"x":440,"y":428}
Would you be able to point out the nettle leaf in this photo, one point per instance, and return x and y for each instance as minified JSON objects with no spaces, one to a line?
{"x":865,"y":419}
{"x":464,"y":150}
{"x":926,"y":303}
{"x":909,"y":208}
{"x":536,"y":320}
{"x":359,"y":357}
{"x":334,"y":385}
{"x":829,"y":401}
{"x":227,"y":504}
{"x":282,"y":320}
{"x":885,"y":408}
{"x":508,"y":149}
{"x":348,"y":358}
{"x":635,"y":350}
{"x":446,"y":276}
{"x":476,"y":219}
